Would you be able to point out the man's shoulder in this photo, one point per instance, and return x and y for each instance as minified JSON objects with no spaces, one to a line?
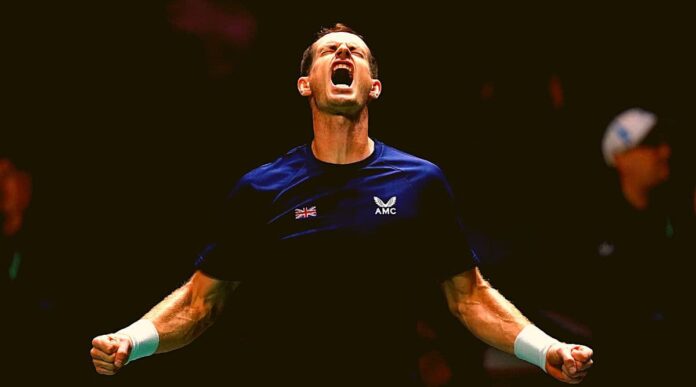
{"x":277,"y":172}
{"x":410,"y":163}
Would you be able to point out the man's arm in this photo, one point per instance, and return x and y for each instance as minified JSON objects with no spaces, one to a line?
{"x":497,"y":322}
{"x":173,"y":323}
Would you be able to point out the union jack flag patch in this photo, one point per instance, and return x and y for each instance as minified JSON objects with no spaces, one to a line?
{"x":306,"y":212}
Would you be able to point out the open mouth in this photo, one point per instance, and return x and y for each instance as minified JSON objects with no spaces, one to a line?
{"x":342,"y":75}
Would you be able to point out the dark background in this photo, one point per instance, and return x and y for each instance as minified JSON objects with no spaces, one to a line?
{"x":134,"y":121}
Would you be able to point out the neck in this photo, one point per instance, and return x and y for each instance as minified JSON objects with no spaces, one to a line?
{"x":637,"y":196}
{"x":341,"y":139}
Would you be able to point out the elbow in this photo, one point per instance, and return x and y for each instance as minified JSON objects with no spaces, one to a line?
{"x":194,"y":321}
{"x":465,"y":309}
{"x":472,"y":305}
{"x":204,"y":313}
{"x":466,"y":294}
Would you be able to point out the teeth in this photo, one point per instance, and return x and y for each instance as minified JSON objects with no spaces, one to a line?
{"x":343,"y":66}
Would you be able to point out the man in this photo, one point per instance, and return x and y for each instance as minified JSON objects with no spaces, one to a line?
{"x":635,"y":146}
{"x":640,"y":247}
{"x":375,"y":231}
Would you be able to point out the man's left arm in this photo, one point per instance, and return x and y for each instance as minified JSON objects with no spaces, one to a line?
{"x":497,"y":322}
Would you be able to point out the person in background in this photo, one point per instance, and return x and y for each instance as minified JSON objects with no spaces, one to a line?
{"x":18,"y":293}
{"x":638,"y":254}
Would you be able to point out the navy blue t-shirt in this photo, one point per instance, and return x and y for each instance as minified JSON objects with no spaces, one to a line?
{"x":335,"y":259}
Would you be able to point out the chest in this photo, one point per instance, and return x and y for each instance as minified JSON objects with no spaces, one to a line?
{"x":342,"y":206}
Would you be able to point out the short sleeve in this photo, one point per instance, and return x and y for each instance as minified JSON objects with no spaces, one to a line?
{"x":236,"y":239}
{"x":448,"y":251}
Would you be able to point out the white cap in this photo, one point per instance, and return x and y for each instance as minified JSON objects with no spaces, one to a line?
{"x":626,"y":131}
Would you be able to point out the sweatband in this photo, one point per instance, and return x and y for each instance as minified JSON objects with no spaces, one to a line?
{"x":144,"y":337}
{"x":532,"y":344}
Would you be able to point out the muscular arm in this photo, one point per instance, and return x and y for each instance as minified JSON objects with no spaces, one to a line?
{"x":183,"y":315}
{"x":179,"y":319}
{"x":494,"y":320}
{"x":484,"y":311}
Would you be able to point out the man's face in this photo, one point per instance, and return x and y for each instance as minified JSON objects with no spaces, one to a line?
{"x":340,"y":80}
{"x":649,"y":165}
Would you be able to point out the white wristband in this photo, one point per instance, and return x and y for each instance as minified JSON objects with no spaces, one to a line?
{"x":144,"y":336}
{"x":532,"y":344}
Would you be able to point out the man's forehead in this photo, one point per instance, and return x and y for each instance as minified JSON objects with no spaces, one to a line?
{"x":341,"y":37}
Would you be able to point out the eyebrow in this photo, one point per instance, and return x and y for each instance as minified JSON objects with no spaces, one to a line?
{"x":337,"y":43}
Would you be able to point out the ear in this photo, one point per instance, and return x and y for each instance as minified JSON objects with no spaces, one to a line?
{"x":617,"y":159}
{"x":376,"y":89}
{"x":303,"y":86}
{"x":621,"y":160}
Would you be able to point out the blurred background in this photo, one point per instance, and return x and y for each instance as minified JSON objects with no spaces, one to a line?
{"x":126,"y":123}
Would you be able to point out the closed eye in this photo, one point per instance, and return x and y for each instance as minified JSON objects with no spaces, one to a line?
{"x":328,"y":49}
{"x":357,"y":52}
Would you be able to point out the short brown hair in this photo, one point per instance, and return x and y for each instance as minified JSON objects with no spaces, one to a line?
{"x":308,"y":55}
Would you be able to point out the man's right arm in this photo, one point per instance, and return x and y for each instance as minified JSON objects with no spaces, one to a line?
{"x":173,"y":323}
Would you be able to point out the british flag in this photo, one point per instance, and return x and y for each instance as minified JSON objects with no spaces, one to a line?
{"x":306,"y":212}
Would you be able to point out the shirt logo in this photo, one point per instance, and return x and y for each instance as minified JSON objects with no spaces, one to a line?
{"x":385,"y":208}
{"x":305,"y":212}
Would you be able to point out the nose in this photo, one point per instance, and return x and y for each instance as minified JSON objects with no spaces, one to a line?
{"x":343,"y":51}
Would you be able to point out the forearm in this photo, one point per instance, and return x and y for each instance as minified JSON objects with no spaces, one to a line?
{"x":186,"y":313}
{"x":486,"y":313}
{"x":178,"y":322}
{"x":173,"y":323}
